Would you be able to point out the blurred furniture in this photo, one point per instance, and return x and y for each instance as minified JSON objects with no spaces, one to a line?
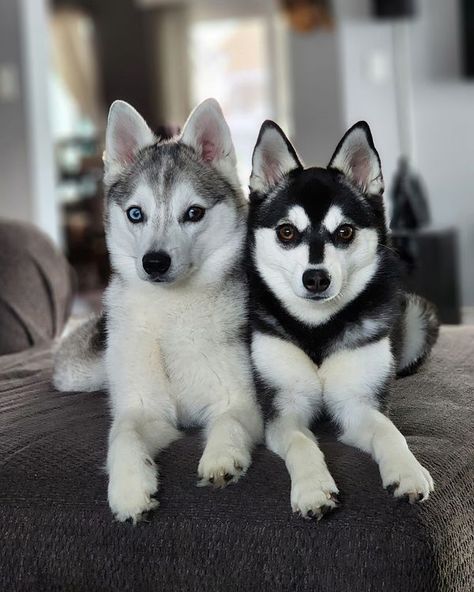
{"x":82,"y":204}
{"x":430,"y":267}
{"x":394,"y":8}
{"x":35,"y":288}
{"x":305,"y":16}
{"x":466,"y":22}
{"x":57,"y":532}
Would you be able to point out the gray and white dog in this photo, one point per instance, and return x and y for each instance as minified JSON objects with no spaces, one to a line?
{"x":174,"y":351}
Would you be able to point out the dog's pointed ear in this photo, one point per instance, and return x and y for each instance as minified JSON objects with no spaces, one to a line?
{"x":357,"y":158}
{"x":273,"y":158}
{"x":207,"y":132}
{"x":127,"y":133}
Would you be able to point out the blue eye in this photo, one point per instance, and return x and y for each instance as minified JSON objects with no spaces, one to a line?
{"x":135,"y":214}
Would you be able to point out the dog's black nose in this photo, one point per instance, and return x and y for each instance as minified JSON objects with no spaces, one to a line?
{"x":316,"y":280}
{"x":157,"y":262}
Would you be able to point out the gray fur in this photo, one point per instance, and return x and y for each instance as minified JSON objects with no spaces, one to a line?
{"x":78,"y":362}
{"x":425,"y":325}
{"x":164,"y":164}
{"x":176,"y":351}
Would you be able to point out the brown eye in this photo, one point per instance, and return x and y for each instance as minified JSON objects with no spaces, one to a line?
{"x":194,"y":214}
{"x":287,"y":233}
{"x":345,"y":233}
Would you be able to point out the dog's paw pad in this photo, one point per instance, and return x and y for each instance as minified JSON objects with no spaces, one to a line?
{"x":132,"y":491}
{"x":219,"y":479}
{"x":136,"y":514}
{"x":313,"y":498}
{"x":392,"y":487}
{"x":408,"y":480}
{"x":414,"y":497}
{"x":315,"y":513}
{"x":219,"y":470}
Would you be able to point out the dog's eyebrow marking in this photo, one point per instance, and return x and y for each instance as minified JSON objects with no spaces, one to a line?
{"x":333,"y":218}
{"x":142,"y":196}
{"x":299,"y":218}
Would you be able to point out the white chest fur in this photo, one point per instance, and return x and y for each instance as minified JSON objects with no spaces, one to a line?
{"x":303,"y":388}
{"x":184,"y":344}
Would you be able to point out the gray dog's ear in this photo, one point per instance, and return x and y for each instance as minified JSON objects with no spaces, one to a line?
{"x":127,"y":133}
{"x":207,"y":132}
{"x":273,"y":158}
{"x":357,"y":158}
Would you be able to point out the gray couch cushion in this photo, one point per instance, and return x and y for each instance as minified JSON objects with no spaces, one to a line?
{"x":58,"y":534}
{"x":35,"y":288}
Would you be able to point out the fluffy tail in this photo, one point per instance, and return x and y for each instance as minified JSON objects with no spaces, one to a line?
{"x":419,"y":332}
{"x":79,"y":358}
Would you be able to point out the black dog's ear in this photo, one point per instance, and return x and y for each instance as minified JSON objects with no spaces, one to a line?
{"x":273,"y":158}
{"x":357,"y":158}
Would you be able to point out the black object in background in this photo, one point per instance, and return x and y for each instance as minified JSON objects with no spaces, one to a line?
{"x":394,"y":8}
{"x":467,"y":28}
{"x":430,"y":268}
{"x":409,"y":199}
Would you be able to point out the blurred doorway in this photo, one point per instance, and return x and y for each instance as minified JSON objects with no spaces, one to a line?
{"x":229,"y":61}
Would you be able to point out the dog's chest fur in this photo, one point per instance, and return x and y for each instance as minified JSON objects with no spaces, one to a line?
{"x":181,"y":333}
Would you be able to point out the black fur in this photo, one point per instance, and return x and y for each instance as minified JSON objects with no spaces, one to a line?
{"x":99,"y":334}
{"x":382,"y":299}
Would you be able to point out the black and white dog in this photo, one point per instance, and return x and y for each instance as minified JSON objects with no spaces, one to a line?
{"x":331,"y":326}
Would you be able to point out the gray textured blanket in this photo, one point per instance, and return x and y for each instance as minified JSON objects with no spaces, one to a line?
{"x":57,"y":533}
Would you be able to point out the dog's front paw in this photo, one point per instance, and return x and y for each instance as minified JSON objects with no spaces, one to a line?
{"x":407,"y":478}
{"x":131,"y":491}
{"x":313,"y":496}
{"x":219,"y":468}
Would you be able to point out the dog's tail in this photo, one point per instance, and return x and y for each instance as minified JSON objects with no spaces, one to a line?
{"x":419,"y":332}
{"x":79,"y":357}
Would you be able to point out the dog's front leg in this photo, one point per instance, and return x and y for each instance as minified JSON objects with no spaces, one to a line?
{"x":374,"y":433}
{"x":293,"y":377}
{"x":233,"y":422}
{"x":135,"y":438}
{"x":354,"y":380}
{"x":143,"y":423}
{"x":231,"y":435}
{"x":313,"y":490}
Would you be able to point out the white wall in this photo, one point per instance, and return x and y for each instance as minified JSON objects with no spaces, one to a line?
{"x":315,"y":86}
{"x":36,"y":75}
{"x":364,"y":96}
{"x":331,"y":86}
{"x":15,"y":190}
{"x":443,"y":105}
{"x":444,"y":117}
{"x":27,"y":175}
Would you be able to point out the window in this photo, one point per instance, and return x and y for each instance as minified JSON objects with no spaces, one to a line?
{"x":229,"y":61}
